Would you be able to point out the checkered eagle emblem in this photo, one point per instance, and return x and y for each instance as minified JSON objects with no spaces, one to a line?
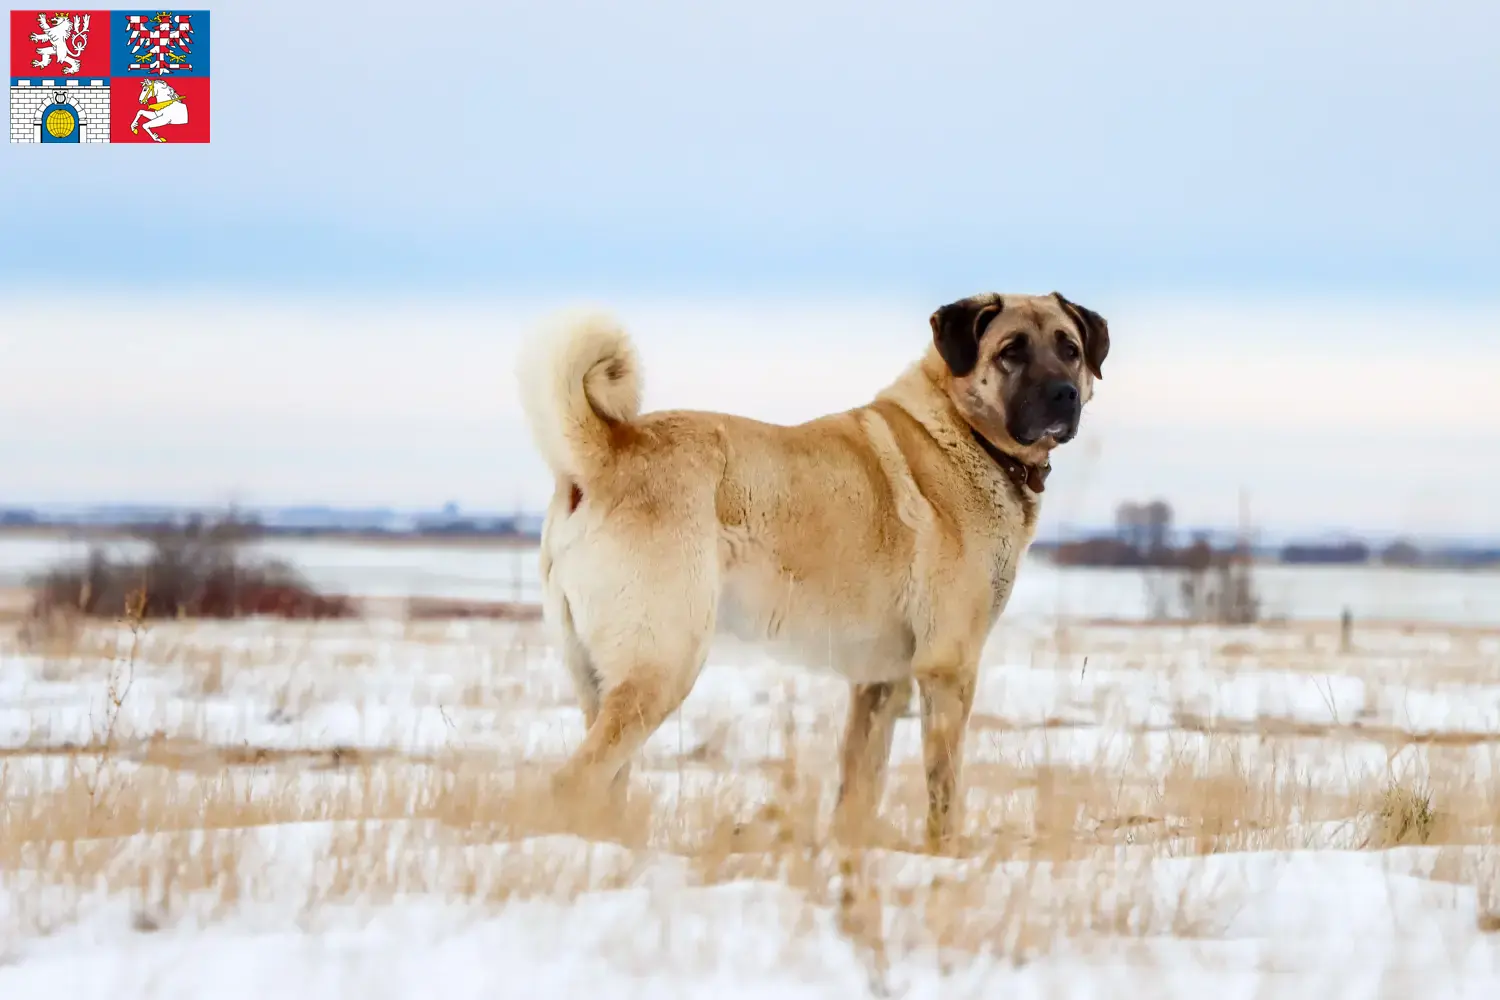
{"x":160,"y":43}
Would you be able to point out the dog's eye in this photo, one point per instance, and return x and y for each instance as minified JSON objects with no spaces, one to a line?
{"x":1014,"y":353}
{"x":1067,"y":348}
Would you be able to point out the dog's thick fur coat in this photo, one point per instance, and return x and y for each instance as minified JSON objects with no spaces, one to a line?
{"x":881,"y":543}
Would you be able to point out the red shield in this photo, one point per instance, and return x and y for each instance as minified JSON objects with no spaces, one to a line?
{"x":90,"y":48}
{"x":126,"y":108}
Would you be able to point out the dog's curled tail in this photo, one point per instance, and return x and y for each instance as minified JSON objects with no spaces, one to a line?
{"x":580,"y":375}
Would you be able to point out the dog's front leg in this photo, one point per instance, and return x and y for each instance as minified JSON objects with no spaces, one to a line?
{"x":867,"y":749}
{"x":947,"y":697}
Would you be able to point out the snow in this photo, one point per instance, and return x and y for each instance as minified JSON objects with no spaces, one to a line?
{"x":1216,"y":791}
{"x":1314,"y":925}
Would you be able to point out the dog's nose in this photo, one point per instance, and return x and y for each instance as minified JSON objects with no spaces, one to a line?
{"x":1060,"y":393}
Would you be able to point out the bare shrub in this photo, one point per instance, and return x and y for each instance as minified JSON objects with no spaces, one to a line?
{"x":198,"y":569}
{"x":1205,"y":585}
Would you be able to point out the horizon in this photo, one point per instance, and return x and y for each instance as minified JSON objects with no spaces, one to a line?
{"x":90,"y":514}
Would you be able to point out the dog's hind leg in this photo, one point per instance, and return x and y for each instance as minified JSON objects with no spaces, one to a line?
{"x":644,"y":640}
{"x":586,"y":681}
{"x":630,"y":711}
{"x":589,"y":687}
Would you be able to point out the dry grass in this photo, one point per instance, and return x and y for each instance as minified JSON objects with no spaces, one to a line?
{"x":1055,"y":850}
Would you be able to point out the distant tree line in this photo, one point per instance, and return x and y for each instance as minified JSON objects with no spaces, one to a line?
{"x":1143,"y":538}
{"x":447,"y":524}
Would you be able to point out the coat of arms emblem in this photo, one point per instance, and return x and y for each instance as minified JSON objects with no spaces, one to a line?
{"x":110,"y":76}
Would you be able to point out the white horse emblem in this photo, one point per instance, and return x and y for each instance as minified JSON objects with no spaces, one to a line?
{"x":163,"y":107}
{"x":67,"y":40}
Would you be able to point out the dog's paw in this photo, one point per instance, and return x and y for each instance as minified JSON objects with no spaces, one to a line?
{"x":581,"y":804}
{"x":869,"y":832}
{"x":957,"y":845}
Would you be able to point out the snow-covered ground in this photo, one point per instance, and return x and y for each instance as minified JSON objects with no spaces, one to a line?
{"x":264,"y":809}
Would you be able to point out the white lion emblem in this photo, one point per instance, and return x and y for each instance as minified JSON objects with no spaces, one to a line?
{"x":67,"y":37}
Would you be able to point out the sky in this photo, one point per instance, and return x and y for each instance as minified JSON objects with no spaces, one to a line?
{"x":1288,"y":212}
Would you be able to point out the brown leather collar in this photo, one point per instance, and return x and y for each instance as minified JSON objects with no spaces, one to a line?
{"x":1031,"y":476}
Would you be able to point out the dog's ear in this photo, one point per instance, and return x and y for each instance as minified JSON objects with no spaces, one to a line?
{"x":957,"y":327}
{"x":1095,"y":333}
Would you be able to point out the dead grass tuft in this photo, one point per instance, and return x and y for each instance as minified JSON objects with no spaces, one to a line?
{"x":1405,"y":816}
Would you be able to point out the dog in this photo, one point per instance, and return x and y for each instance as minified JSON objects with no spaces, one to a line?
{"x":881,"y":543}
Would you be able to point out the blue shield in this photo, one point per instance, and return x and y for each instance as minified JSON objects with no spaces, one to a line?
{"x":60,"y":123}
